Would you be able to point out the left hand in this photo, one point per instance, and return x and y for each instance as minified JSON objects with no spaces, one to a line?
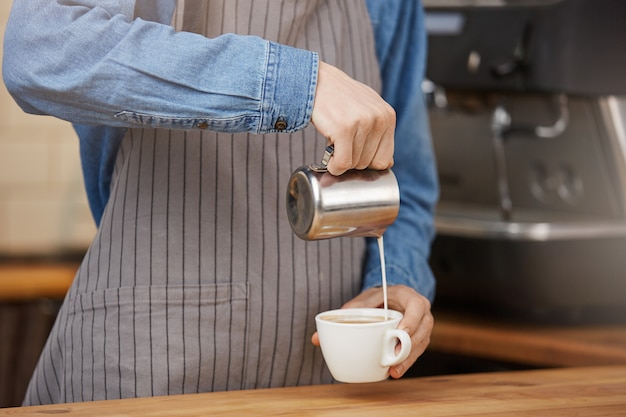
{"x":417,"y":321}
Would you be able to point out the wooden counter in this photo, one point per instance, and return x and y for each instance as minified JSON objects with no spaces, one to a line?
{"x":599,"y":391}
{"x":25,"y":282}
{"x":527,"y":343}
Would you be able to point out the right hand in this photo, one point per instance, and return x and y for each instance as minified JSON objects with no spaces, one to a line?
{"x":354,"y":118}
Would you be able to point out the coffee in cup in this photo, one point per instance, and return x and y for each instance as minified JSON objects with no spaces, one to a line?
{"x":359,"y":344}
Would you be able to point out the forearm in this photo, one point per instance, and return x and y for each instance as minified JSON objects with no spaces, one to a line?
{"x":97,"y":65}
{"x":407,"y":241}
{"x":401,"y":54}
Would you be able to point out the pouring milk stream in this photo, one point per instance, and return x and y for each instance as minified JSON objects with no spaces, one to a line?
{"x":358,"y":203}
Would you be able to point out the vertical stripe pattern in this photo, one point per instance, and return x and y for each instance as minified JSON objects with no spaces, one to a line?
{"x":195,"y":281}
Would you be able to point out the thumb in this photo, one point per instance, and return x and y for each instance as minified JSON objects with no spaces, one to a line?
{"x":315,"y":339}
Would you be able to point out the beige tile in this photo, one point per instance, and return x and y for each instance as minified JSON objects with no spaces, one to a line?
{"x":5,"y":7}
{"x":43,"y":207}
{"x":64,"y":160}
{"x":3,"y":220}
{"x":23,"y":163}
{"x":46,"y":221}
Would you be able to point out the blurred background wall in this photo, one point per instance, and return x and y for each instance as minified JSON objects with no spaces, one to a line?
{"x":43,"y":206}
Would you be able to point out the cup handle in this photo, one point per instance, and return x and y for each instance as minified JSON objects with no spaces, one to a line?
{"x":392,"y":337}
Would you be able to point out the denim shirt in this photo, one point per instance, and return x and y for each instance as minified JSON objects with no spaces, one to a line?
{"x":83,"y":61}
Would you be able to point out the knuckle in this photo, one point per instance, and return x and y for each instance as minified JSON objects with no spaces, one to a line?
{"x":381,"y":119}
{"x":352,"y":124}
{"x":391,"y":113}
{"x":378,"y":165}
{"x":342,"y":163}
{"x":429,"y":321}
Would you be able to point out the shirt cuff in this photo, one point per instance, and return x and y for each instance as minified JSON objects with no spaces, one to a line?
{"x":289,"y":89}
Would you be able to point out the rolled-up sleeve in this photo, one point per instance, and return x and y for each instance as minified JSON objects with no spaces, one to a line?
{"x":95,"y":63}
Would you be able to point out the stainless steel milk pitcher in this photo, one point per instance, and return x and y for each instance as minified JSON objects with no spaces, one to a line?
{"x":356,"y":203}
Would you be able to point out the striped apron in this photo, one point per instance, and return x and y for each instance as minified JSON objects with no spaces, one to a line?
{"x":195,"y":281}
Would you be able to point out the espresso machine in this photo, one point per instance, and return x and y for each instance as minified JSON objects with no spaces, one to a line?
{"x":528,"y":116}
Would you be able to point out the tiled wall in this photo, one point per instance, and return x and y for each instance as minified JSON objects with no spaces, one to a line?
{"x":43,"y":207}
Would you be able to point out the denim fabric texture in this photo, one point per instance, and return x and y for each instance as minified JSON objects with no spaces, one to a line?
{"x":105,"y":76}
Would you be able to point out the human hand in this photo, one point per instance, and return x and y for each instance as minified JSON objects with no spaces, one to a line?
{"x":417,"y":321}
{"x":354,"y":118}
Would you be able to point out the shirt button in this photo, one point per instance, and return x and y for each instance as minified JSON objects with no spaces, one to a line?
{"x":280,"y":124}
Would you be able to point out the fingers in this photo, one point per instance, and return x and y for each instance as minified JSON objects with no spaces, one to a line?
{"x":420,"y":338}
{"x":372,"y":297}
{"x":315,"y":339}
{"x":378,"y":145}
{"x":355,"y":119}
{"x":418,"y":320}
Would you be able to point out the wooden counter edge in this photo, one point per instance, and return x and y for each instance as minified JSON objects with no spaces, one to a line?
{"x":536,"y":345}
{"x":561,"y":390}
{"x":23,"y":282}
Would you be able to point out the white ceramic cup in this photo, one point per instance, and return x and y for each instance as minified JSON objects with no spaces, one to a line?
{"x":357,"y":349}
